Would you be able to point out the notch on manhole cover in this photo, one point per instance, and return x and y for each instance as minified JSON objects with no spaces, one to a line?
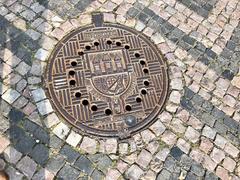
{"x":108,"y":81}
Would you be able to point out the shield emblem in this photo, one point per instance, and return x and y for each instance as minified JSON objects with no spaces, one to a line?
{"x":109,"y":73}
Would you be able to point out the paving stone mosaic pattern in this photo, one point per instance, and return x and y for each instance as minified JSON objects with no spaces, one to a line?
{"x":197,"y":134}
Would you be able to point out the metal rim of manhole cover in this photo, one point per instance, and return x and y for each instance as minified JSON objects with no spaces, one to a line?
{"x":107,"y":81}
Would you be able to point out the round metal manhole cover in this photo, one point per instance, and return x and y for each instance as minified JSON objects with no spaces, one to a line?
{"x":108,"y":81}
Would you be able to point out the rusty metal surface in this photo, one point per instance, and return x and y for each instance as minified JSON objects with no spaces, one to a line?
{"x":107,"y":81}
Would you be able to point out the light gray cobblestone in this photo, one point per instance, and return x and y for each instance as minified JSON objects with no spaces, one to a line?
{"x":194,"y":137}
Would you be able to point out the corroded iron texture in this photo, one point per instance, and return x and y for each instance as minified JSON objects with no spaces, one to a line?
{"x":108,"y":81}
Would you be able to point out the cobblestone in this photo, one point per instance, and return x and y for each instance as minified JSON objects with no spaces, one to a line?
{"x":70,"y":154}
{"x":27,"y":166}
{"x":23,"y":68}
{"x":84,"y":164}
{"x":144,"y":158}
{"x":10,"y":95}
{"x":192,"y":134}
{"x":221,"y":172}
{"x":55,"y":142}
{"x":29,"y":108}
{"x":217,"y":155}
{"x":208,"y":132}
{"x":73,"y":139}
{"x":123,"y":148}
{"x":97,"y":175}
{"x":162,"y":154}
{"x":169,"y":138}
{"x":21,"y":85}
{"x":104,"y":163}
{"x":194,"y":137}
{"x":41,"y":54}
{"x":113,"y":174}
{"x":111,"y":146}
{"x":183,"y":145}
{"x":158,"y":128}
{"x":55,"y":164}
{"x":38,"y":94}
{"x":68,"y":172}
{"x":43,"y":173}
{"x":206,"y":145}
{"x":61,"y":130}
{"x":14,"y":174}
{"x":134,"y":172}
{"x":4,"y":143}
{"x":44,"y":107}
{"x":229,"y":164}
{"x":89,"y":145}
{"x":12,"y":155}
{"x":208,"y":163}
{"x":164,"y":175}
{"x":51,"y":120}
{"x":232,"y":150}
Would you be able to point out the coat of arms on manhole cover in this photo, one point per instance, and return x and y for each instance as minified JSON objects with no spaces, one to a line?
{"x":108,"y":81}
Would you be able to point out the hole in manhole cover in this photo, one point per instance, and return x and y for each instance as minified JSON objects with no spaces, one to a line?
{"x":108,"y":81}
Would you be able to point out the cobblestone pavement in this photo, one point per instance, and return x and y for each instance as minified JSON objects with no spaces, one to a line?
{"x":197,"y":135}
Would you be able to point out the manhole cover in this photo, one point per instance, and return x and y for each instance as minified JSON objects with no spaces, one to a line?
{"x":107,"y":81}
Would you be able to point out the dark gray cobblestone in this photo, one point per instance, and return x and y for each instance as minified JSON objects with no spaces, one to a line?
{"x":215,"y":118}
{"x":55,"y":163}
{"x":22,"y":45}
{"x":231,"y":54}
{"x":96,"y":175}
{"x":68,"y":172}
{"x":85,"y":165}
{"x":32,"y":140}
{"x":70,"y":154}
{"x":40,"y":154}
{"x":65,"y":9}
{"x":36,"y":153}
{"x":201,"y":7}
{"x":227,"y":67}
{"x":178,"y":164}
